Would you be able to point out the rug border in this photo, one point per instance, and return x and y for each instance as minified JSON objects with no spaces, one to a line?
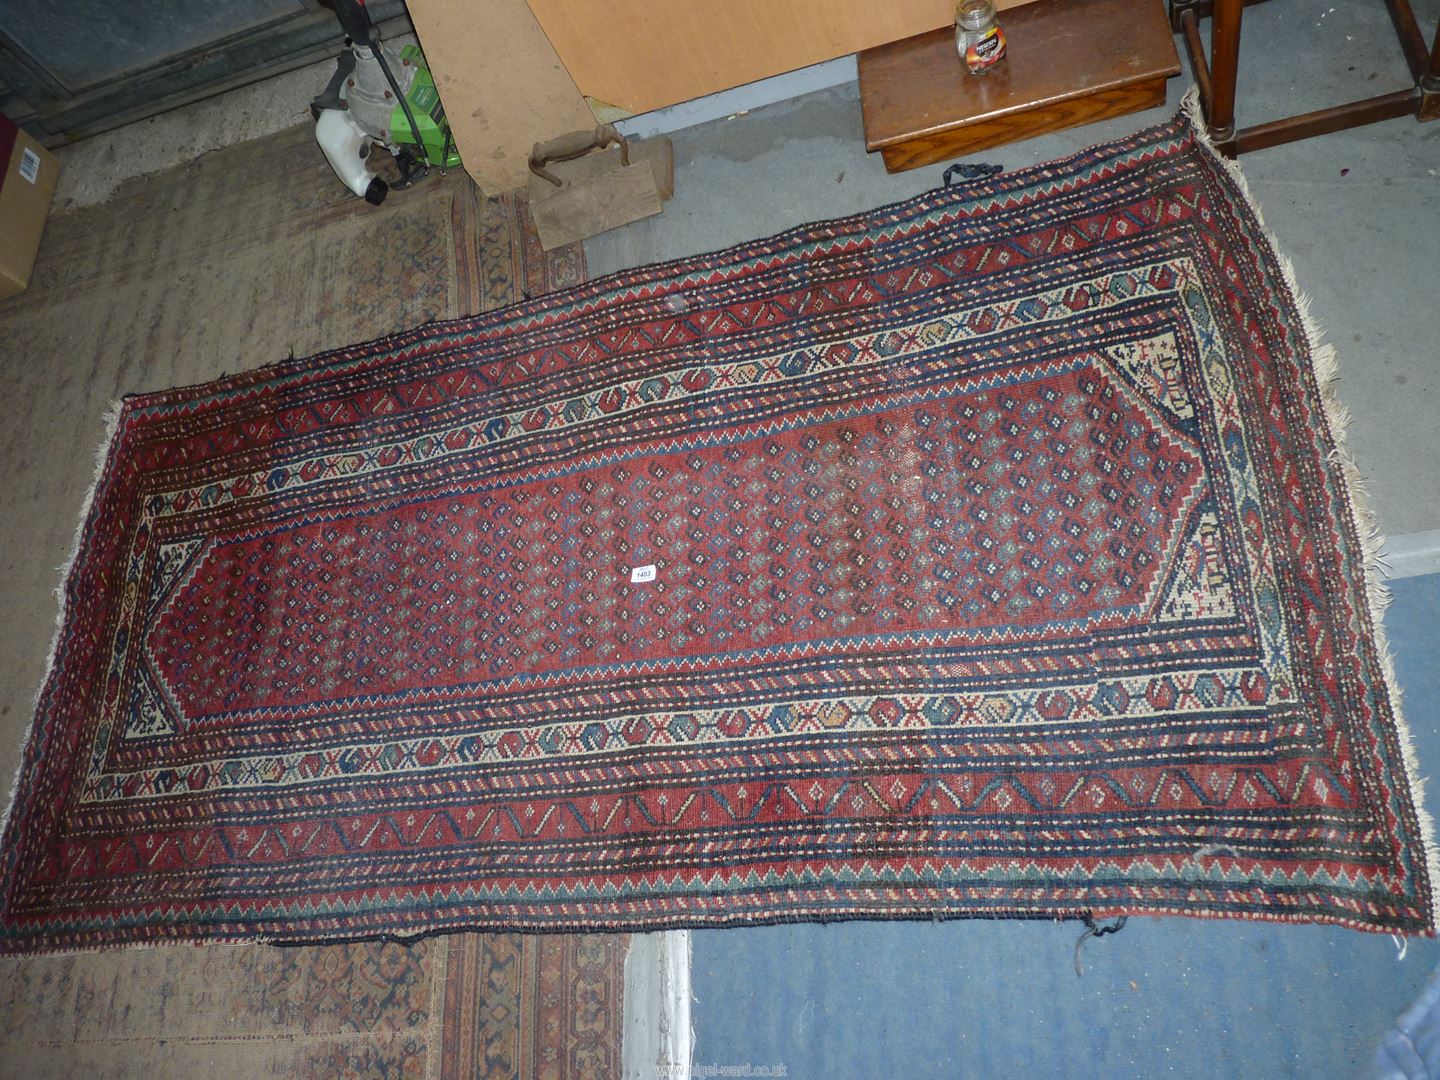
{"x":1325,"y":368}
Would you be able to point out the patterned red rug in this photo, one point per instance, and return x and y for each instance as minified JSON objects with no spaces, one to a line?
{"x":985,"y":554}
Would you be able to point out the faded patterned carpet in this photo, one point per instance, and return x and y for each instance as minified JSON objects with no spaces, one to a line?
{"x":243,"y":257}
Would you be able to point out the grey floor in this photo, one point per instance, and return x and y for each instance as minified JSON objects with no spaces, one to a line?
{"x":1359,"y":214}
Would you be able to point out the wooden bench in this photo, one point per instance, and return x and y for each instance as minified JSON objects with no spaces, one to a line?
{"x":1068,"y":62}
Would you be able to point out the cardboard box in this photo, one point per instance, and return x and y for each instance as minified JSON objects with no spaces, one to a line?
{"x":27,"y":182}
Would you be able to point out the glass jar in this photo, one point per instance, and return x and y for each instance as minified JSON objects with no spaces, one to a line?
{"x":978,"y":37}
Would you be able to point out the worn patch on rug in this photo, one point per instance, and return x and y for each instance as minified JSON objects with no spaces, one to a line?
{"x":987,"y":554}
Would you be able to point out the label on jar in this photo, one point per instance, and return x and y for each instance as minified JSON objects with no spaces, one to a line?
{"x":987,"y":49}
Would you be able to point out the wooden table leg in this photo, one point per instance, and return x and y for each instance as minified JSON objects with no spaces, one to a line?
{"x":1190,"y":28}
{"x":1430,"y":83}
{"x":1224,"y":68}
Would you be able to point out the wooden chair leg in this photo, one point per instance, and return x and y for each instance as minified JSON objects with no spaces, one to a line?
{"x":1224,"y":68}
{"x":1201,"y":9}
{"x":1430,"y":83}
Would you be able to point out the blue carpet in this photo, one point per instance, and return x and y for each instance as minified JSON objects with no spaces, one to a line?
{"x":1167,"y":997}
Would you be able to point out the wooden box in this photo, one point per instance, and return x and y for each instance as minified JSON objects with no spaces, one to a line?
{"x":1067,"y":62}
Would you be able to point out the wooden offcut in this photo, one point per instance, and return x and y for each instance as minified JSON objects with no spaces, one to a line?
{"x":1068,"y":62}
{"x":598,"y":192}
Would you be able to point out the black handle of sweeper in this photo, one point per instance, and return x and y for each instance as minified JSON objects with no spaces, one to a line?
{"x":354,"y":20}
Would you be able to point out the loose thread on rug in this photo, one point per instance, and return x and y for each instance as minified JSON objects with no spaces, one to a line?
{"x":1094,"y":929}
{"x":966,"y":171}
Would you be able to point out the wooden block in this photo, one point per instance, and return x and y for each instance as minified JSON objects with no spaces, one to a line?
{"x":598,"y":193}
{"x":1068,"y":62}
{"x":659,"y":153}
{"x":1429,"y":104}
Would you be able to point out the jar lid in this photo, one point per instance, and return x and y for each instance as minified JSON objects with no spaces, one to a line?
{"x":975,"y":14}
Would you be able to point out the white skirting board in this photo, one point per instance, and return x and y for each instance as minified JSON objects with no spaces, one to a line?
{"x":1412,"y":554}
{"x":740,"y":99}
{"x":658,"y":1041}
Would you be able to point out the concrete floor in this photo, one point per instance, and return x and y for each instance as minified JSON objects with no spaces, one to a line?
{"x":92,"y":169}
{"x":1357,"y":214}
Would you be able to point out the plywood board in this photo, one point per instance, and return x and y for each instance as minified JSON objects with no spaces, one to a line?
{"x":502,"y":84}
{"x":640,"y":55}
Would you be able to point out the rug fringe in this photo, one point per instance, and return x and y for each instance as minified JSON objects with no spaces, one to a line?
{"x":1325,"y":366}
{"x":102,"y":455}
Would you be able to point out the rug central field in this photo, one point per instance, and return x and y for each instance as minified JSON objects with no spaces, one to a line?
{"x":986,"y":554}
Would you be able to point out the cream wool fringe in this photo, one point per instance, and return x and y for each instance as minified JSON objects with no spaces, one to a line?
{"x":62,"y":589}
{"x":1326,"y":369}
